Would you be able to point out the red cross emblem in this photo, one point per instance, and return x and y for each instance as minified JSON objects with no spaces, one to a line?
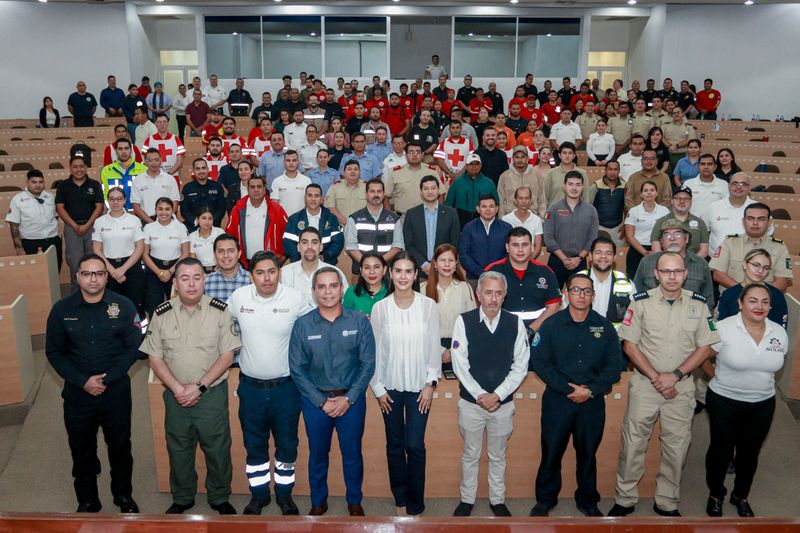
{"x":163,"y":152}
{"x":455,"y":158}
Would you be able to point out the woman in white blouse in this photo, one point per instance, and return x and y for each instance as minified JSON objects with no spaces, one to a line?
{"x":165,"y":242}
{"x":639,"y":225}
{"x":118,"y":238}
{"x":407,"y":366}
{"x":201,"y":240}
{"x":447,"y":286}
{"x":600,"y":146}
{"x":741,"y":395}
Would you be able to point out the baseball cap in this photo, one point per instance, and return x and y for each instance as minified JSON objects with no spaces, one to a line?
{"x":672,"y":223}
{"x":685,"y":189}
{"x":473,"y":158}
{"x":520,"y":149}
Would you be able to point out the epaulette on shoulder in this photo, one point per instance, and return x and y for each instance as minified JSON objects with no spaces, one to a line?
{"x":218,"y":304}
{"x":732,"y":235}
{"x":641,"y":296}
{"x":335,"y":182}
{"x":163,"y":308}
{"x":398,"y":167}
{"x":699,"y":297}
{"x":776,"y":240}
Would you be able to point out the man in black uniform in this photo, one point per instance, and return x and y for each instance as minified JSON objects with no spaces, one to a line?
{"x":93,"y":338}
{"x":578,"y":356}
{"x":199,"y":193}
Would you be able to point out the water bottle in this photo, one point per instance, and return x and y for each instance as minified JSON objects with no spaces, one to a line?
{"x":758,"y":117}
{"x":714,"y":127}
{"x":39,"y":250}
{"x":729,"y":117}
{"x":753,"y":118}
{"x":777,"y":118}
{"x":64,"y":123}
{"x":762,"y":167}
{"x":781,"y":118}
{"x":722,"y":117}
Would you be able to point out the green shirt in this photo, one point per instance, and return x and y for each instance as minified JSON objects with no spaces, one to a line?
{"x":364,"y":302}
{"x":465,"y":192}
{"x":698,"y":231}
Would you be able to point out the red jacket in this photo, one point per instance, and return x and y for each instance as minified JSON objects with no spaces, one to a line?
{"x":273,"y":234}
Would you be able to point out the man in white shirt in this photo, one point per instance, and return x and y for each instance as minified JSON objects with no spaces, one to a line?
{"x":289,"y":189}
{"x":152,"y":185}
{"x":295,"y":133}
{"x":706,"y":187}
{"x":565,"y":131}
{"x":32,"y":218}
{"x":724,"y":217}
{"x":269,"y":402}
{"x":435,"y":69}
{"x":297,"y":275}
{"x":523,"y":216}
{"x":398,"y":156}
{"x":308,"y":149}
{"x":484,"y":339}
{"x":145,"y":128}
{"x":631,"y":162}
{"x":214,"y":94}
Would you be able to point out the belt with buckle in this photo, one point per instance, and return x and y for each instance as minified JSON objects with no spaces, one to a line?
{"x":265,"y":383}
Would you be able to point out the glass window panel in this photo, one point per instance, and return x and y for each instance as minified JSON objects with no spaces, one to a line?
{"x":483,"y":47}
{"x":548,"y":47}
{"x":414,"y":40}
{"x":232,"y":47}
{"x":607,"y":59}
{"x":607,"y":78}
{"x":292,"y":45}
{"x":355,"y":47}
{"x":178,"y":57}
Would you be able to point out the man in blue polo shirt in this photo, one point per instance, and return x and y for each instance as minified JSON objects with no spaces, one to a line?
{"x":111,"y":98}
{"x":370,"y":166}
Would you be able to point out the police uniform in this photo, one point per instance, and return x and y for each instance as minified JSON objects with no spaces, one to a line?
{"x":345,"y":198}
{"x":586,"y":353}
{"x":165,"y":250}
{"x":667,"y":333}
{"x":83,"y":340}
{"x":642,"y":124}
{"x":119,"y":236}
{"x":269,"y":402}
{"x":196,"y":197}
{"x":621,"y":129}
{"x":660,"y":118}
{"x":730,"y":254}
{"x":587,"y":123}
{"x":189,"y":343}
{"x":674,"y":134}
{"x":367,"y":233}
{"x":402,"y":185}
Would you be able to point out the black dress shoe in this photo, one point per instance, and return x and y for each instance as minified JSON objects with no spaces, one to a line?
{"x":463,"y":509}
{"x":126,"y":504}
{"x":223,"y":508}
{"x":540,"y":509}
{"x":355,"y":509}
{"x":287,"y":505}
{"x":589,"y":511}
{"x":714,"y":506}
{"x":500,"y":509}
{"x":178,"y":508}
{"x":621,"y":510}
{"x":89,"y":507}
{"x":659,"y":511}
{"x":319,"y":510}
{"x":256,"y":504}
{"x":742,"y":507}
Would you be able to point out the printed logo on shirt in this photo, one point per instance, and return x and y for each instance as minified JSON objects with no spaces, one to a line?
{"x":719,"y":250}
{"x":280,"y":309}
{"x":774,"y":345}
{"x":347,"y":333}
{"x":597,"y":331}
{"x":542,"y":283}
{"x":563,"y":212}
{"x":456,"y":344}
{"x":693,"y":224}
{"x":314,"y":337}
{"x":245,"y":310}
{"x":113,"y":310}
{"x":536,"y":339}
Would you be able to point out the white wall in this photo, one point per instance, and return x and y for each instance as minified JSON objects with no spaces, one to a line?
{"x":410,"y":57}
{"x":610,"y":35}
{"x":41,"y":59}
{"x":647,"y":45}
{"x":175,"y":34}
{"x":747,"y":50}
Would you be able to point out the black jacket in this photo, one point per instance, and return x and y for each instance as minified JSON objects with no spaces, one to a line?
{"x":43,"y":118}
{"x":415,"y":238}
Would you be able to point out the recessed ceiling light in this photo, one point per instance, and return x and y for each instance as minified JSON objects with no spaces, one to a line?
{"x":235,"y":33}
{"x":279,"y":0}
{"x":288,"y":35}
{"x":749,"y":3}
{"x":395,"y":1}
{"x":43,"y":1}
{"x":160,"y":1}
{"x":514,"y":1}
{"x":341,"y":35}
{"x":549,"y":35}
{"x":631,"y":2}
{"x":470,"y":34}
{"x":489,"y":36}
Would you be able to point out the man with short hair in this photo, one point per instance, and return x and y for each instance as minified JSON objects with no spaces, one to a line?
{"x":515,"y":121}
{"x":565,"y":131}
{"x":295,"y":132}
{"x":369,"y":165}
{"x":190,"y":343}
{"x":32,"y":218}
{"x":347,"y":195}
{"x":583,"y":95}
{"x":496,"y":98}
{"x":724,"y":217}
{"x":92,"y":340}
{"x":570,"y":226}
{"x":660,"y":117}
{"x":216,"y":160}
{"x":308,"y":148}
{"x":229,"y":176}
{"x":373,"y":228}
{"x":573,"y":403}
{"x":373,"y":123}
{"x":681,"y":211}
{"x":314,"y":115}
{"x":522,"y":216}
{"x":429,"y":224}
{"x":259,"y":138}
{"x":169,"y":147}
{"x":201,"y":193}
{"x":149,"y":186}
{"x":197,"y":113}
{"x":333,"y":337}
{"x":79,"y":202}
{"x":144,"y":88}
{"x":726,"y":261}
{"x":298,"y":273}
{"x":452,"y":152}
{"x":214,"y":94}
{"x":613,"y":289}
{"x":631,"y":161}
{"x":566,"y":92}
{"x":144,"y":129}
{"x":490,"y":354}
{"x":608,"y":198}
{"x":587,"y":121}
{"x":110,"y":152}
{"x":257,"y":222}
{"x":121,"y":172}
{"x":483,"y":240}
{"x":642,"y":120}
{"x":130,"y":103}
{"x":82,"y":105}
{"x":380,"y":148}
{"x":466,"y":190}
{"x":493,"y":160}
{"x":111,"y":98}
{"x":649,"y":172}
{"x":229,"y":274}
{"x":435,"y":70}
{"x":315,"y":215}
{"x":706,"y":187}
{"x":271,"y":165}
{"x":621,"y":127}
{"x":520,"y":174}
{"x":269,"y":403}
{"x":554,"y":180}
{"x":266,"y":106}
{"x":677,"y":135}
{"x":396,"y":158}
{"x":467,"y":92}
{"x":239,"y":100}
{"x":707,"y":101}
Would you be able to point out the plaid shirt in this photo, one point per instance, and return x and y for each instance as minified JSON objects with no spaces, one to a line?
{"x":217,"y":286}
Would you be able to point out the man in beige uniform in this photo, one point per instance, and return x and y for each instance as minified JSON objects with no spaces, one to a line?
{"x":621,"y":127}
{"x":726,"y":263}
{"x":402,"y":183}
{"x":587,"y":121}
{"x":642,"y":120}
{"x":660,"y":117}
{"x":348,"y":195}
{"x":677,"y":135}
{"x":190,"y":343}
{"x":667,"y":332}
{"x":518,"y":175}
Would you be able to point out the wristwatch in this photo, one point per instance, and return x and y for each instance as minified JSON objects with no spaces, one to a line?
{"x":202,"y":388}
{"x":349,"y":401}
{"x":433,"y":384}
{"x":678,"y":374}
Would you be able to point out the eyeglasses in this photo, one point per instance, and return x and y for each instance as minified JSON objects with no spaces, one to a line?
{"x":116,"y":199}
{"x":575,"y":291}
{"x":414,"y":152}
{"x":672,"y":235}
{"x":649,"y":158}
{"x":89,"y":274}
{"x":670,"y":273}
{"x":759,"y":267}
{"x":741,"y":184}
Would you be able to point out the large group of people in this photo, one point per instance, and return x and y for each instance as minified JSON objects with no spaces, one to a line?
{"x":390,"y":240}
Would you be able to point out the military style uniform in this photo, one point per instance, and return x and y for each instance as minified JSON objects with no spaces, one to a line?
{"x":667,"y":333}
{"x":675,"y":133}
{"x":621,"y":129}
{"x":729,"y":256}
{"x":642,"y":124}
{"x":84,"y":340}
{"x":588,"y":124}
{"x":660,"y":118}
{"x":346,"y":199}
{"x":190,"y":343}
{"x":402,"y":185}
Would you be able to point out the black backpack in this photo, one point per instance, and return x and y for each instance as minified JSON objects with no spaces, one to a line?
{"x":81,"y":149}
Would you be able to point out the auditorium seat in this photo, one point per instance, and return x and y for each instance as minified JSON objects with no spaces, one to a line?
{"x":779,"y":153}
{"x":9,"y":188}
{"x":786,"y":189}
{"x":21,"y":166}
{"x":781,"y":214}
{"x":55,"y":165}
